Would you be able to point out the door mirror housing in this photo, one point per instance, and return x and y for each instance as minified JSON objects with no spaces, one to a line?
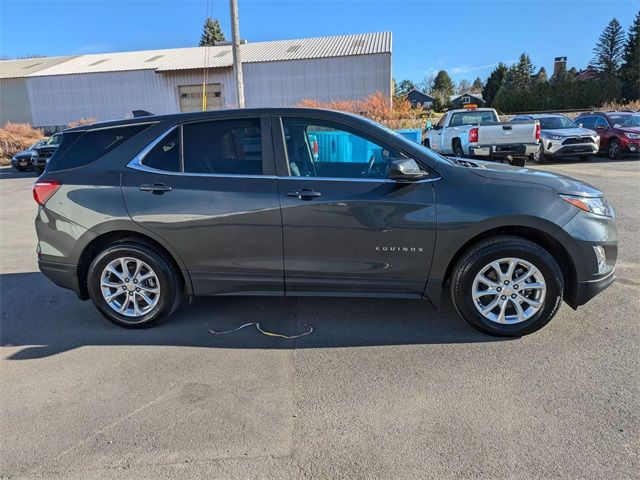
{"x":405,"y":170}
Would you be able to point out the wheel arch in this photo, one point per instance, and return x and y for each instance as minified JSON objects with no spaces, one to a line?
{"x":433,"y":290}
{"x":97,"y":244}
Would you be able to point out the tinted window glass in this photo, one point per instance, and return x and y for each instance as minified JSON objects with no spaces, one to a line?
{"x":166,"y":154}
{"x":89,"y":146}
{"x":473,"y":117}
{"x":556,"y":123}
{"x":324,"y":149}
{"x":601,"y":122}
{"x":587,"y":122}
{"x":224,"y":147}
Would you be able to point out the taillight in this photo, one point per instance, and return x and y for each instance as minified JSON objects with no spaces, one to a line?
{"x":537,"y":131}
{"x":473,"y":135}
{"x":42,"y":191}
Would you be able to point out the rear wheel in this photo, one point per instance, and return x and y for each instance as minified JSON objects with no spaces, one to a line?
{"x":457,"y":149}
{"x":614,"y":150}
{"x":507,"y":286}
{"x":133,"y":285}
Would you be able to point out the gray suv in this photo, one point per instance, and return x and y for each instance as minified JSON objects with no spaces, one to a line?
{"x":140,"y":214}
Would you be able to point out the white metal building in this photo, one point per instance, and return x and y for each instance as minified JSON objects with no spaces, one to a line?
{"x":51,"y":92}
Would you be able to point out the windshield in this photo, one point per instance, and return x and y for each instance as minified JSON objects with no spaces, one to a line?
{"x":623,"y":120}
{"x":556,"y":123}
{"x":54,"y":140}
{"x":473,"y":117}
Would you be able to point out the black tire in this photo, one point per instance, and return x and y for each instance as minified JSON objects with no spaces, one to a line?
{"x":613,"y":150}
{"x":539,"y":156}
{"x":585,"y":158}
{"x":169,"y":280}
{"x":457,"y":148}
{"x":495,"y":248}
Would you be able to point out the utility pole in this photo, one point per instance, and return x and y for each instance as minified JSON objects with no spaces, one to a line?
{"x":237,"y":61}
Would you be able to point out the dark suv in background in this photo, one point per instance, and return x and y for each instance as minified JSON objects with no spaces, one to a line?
{"x":619,"y":131}
{"x":44,"y":151}
{"x":140,"y":213}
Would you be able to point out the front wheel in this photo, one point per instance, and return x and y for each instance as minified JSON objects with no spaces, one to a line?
{"x":539,"y":156}
{"x":133,"y":285}
{"x":507,"y":286}
{"x":614,"y":150}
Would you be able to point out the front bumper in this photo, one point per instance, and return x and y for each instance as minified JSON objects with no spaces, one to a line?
{"x":555,"y":148}
{"x":631,"y":148}
{"x":586,"y":231}
{"x":503,"y":151}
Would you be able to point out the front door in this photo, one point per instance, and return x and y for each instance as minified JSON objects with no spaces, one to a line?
{"x":348,"y":229}
{"x":209,"y":190}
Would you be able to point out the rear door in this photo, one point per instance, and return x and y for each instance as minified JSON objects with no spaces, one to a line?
{"x":209,"y":189}
{"x":347,"y":228}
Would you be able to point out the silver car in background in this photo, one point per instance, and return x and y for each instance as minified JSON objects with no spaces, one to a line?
{"x":561,"y":137}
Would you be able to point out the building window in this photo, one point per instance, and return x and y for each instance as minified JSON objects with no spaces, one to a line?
{"x":466,"y":99}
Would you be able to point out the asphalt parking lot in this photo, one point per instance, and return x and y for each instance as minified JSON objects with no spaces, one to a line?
{"x":381,"y":388}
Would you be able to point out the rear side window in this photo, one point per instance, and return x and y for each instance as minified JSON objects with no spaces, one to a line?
{"x":166,"y":154}
{"x":91,"y":145}
{"x":223,"y":147}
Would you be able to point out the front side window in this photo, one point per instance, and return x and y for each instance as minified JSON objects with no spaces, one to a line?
{"x":165,"y":155}
{"x":223,"y":147}
{"x":318,"y":148}
{"x":601,"y":122}
{"x":587,"y":122}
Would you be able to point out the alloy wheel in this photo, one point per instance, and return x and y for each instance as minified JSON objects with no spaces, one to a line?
{"x":130,"y":287}
{"x":509,"y":291}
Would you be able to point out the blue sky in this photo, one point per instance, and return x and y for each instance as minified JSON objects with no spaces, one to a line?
{"x":466,"y":38}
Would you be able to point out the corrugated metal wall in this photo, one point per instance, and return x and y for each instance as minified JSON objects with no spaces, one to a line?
{"x":14,"y":101}
{"x":59,"y":99}
{"x":286,"y":83}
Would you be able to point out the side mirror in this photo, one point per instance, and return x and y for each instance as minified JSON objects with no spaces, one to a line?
{"x":405,"y":169}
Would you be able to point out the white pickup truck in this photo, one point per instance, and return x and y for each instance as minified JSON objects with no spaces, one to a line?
{"x":478,"y":132}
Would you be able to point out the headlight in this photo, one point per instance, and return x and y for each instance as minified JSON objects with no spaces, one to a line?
{"x":595,"y":205}
{"x":551,"y":136}
{"x":632,"y":136}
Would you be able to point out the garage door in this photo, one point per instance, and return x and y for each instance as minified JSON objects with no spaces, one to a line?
{"x":191,"y":97}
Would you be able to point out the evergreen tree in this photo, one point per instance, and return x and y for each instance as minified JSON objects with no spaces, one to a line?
{"x":630,"y":69}
{"x":607,"y":54}
{"x":443,"y":84}
{"x":477,"y":85}
{"x":519,"y":75}
{"x":211,"y":33}
{"x":494,"y":82}
{"x":404,"y":87}
{"x":541,"y":76}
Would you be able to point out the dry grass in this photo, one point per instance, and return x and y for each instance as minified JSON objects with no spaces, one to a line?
{"x":82,"y":121}
{"x":396,"y":114}
{"x":15,"y":137}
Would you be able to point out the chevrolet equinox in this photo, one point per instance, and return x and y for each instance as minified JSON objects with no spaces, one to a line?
{"x":139,"y":214}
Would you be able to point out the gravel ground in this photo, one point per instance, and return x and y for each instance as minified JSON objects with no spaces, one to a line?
{"x":382,"y":389}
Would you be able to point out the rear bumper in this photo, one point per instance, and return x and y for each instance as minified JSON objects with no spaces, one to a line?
{"x":503,"y":151}
{"x":64,"y":275}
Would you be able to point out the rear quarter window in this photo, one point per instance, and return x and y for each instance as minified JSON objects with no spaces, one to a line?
{"x":80,"y":149}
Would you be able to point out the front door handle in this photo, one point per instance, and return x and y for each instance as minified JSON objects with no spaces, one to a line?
{"x":156,"y":188}
{"x":304,"y":194}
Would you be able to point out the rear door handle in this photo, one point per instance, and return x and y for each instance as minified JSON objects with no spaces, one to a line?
{"x":304,"y":194}
{"x":155,"y":188}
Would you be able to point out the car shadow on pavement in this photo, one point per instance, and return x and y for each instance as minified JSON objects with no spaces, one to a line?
{"x":42,"y":320}
{"x":8,"y":172}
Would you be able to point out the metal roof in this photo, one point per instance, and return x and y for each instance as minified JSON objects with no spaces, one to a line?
{"x":27,"y":66}
{"x":219,"y":56}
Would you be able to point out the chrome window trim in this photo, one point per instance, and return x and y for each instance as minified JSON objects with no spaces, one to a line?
{"x":137,"y":164}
